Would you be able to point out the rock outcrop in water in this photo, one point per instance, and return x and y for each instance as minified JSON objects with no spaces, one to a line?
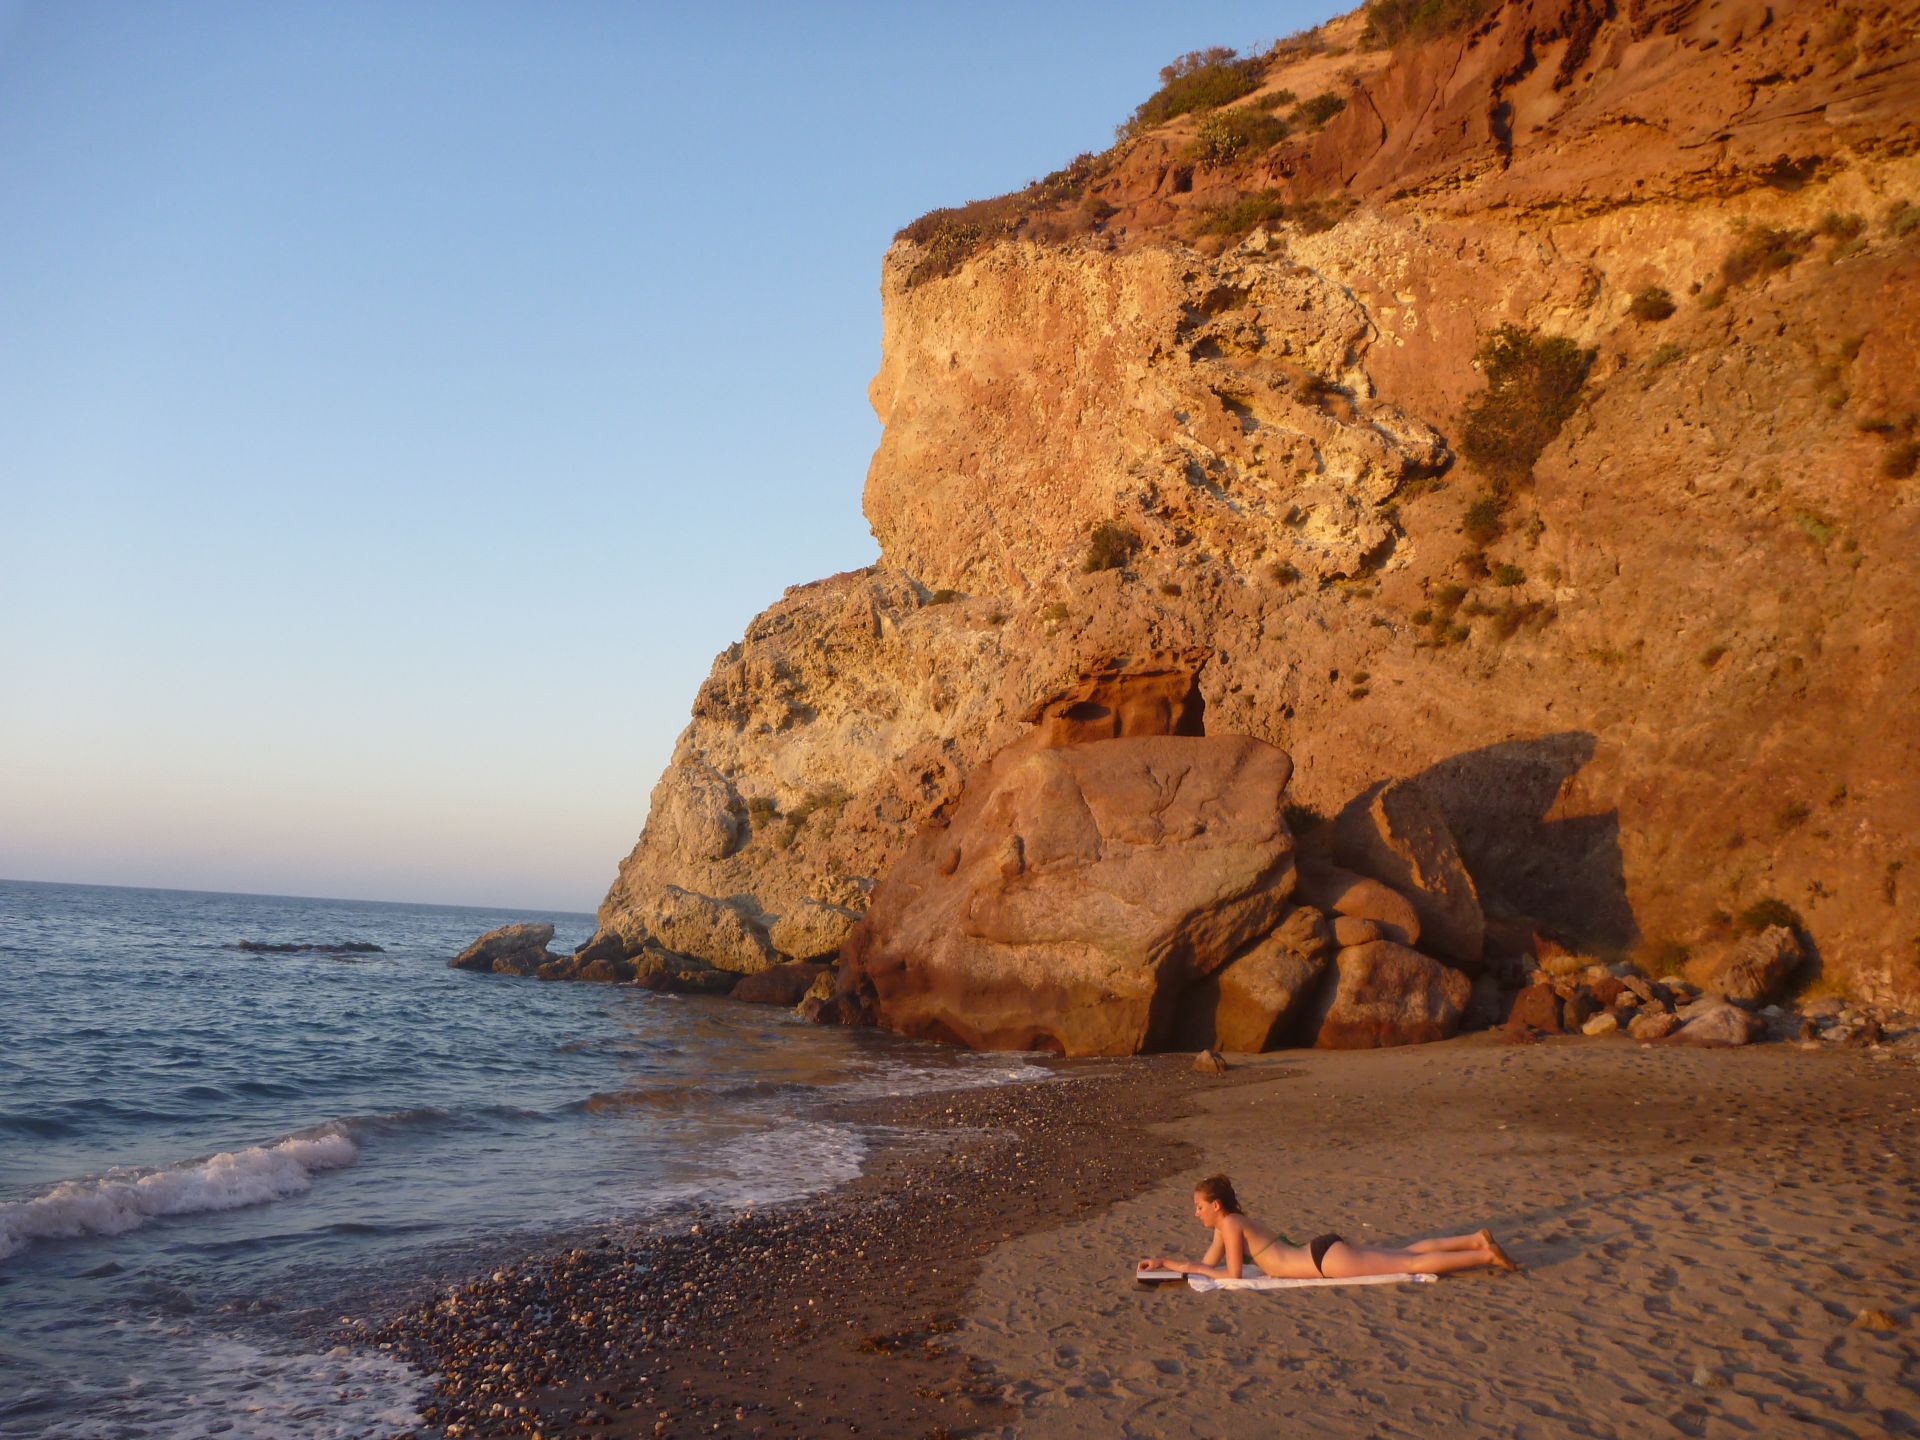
{"x":1625,"y":588}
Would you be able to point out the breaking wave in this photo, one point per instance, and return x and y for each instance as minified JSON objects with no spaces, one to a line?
{"x":126,"y":1198}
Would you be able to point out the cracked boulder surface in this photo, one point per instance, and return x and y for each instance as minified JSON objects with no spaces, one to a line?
{"x":1666,"y":674}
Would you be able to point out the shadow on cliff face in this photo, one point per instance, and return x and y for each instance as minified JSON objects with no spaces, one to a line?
{"x":1564,"y":870}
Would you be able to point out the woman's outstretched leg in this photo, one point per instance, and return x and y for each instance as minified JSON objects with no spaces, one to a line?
{"x":1345,"y":1262}
{"x":1449,"y":1242}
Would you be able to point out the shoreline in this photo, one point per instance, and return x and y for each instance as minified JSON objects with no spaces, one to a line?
{"x":827,"y":1316}
{"x":928,"y":1296}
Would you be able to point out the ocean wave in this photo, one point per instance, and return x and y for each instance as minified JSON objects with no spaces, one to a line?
{"x":124,"y":1199}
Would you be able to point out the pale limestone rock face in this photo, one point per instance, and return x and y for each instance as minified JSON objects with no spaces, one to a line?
{"x":1041,"y":392}
{"x":721,"y":933}
{"x":812,"y":930}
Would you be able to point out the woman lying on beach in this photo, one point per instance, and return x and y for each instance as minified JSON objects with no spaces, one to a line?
{"x":1238,"y":1241}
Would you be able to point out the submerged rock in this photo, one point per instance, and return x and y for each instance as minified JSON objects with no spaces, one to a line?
{"x":509,"y":950}
{"x":786,"y":985}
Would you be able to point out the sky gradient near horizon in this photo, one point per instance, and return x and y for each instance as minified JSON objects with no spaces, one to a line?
{"x":401,"y":403}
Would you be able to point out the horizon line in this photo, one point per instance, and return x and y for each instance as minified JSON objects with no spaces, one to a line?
{"x":327,"y":899}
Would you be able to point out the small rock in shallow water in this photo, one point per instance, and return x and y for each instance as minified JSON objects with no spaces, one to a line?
{"x":1210,"y":1062}
{"x":1875,"y":1320}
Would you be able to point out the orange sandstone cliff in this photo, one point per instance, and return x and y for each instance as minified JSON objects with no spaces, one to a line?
{"x":1538,"y":420}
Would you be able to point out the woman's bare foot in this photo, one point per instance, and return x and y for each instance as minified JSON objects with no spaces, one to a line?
{"x":1501,"y":1260}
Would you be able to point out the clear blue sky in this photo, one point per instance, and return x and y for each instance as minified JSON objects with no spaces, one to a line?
{"x":401,"y":403}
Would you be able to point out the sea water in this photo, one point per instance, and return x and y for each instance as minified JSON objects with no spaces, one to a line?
{"x":206,"y":1153}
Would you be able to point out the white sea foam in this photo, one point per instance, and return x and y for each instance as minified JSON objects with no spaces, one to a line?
{"x":770,"y":1167}
{"x":897,"y":1079}
{"x":124,"y":1199}
{"x":242,"y":1392}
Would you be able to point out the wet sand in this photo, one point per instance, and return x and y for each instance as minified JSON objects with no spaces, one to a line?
{"x":1702,"y":1230}
{"x":829,"y":1318}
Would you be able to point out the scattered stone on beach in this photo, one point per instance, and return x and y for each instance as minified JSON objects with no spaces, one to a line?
{"x":1396,"y":835}
{"x":1249,"y":1003}
{"x":1074,"y":887}
{"x":786,"y":984}
{"x":1210,"y":1062}
{"x":1538,"y":1007}
{"x":1341,"y":892}
{"x":1720,"y":1025}
{"x":1653,"y":1025}
{"x":509,"y":950}
{"x":1605,"y":1023}
{"x":705,"y":1321}
{"x":1388,"y":994}
{"x":1756,"y":971}
{"x":1875,"y":1320}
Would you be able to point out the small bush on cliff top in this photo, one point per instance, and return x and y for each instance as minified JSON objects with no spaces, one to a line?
{"x":1533,"y":387}
{"x":1198,"y":81}
{"x":948,"y":236}
{"x":1765,"y":914}
{"x":1391,"y":21}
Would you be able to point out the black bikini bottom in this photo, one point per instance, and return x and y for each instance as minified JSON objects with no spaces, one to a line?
{"x":1318,"y":1247}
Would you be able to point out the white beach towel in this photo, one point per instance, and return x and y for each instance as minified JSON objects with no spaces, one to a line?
{"x":1274,"y":1282}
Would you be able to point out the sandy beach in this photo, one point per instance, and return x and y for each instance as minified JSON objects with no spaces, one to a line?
{"x":1701,"y":1231}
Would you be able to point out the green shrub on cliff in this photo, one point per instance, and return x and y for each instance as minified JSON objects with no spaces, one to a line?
{"x":1765,"y":914}
{"x":1110,"y":547}
{"x":1652,"y":303}
{"x":1232,"y":135}
{"x":1200,"y":80}
{"x":1391,"y":21}
{"x":1533,"y":387}
{"x":1269,"y":207}
{"x":1321,"y":108}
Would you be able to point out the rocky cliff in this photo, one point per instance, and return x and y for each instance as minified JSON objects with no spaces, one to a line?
{"x":1538,"y":420}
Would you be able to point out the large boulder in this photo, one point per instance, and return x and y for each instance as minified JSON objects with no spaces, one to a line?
{"x":1394,"y":833}
{"x":1720,"y":1025}
{"x":509,"y":950}
{"x":1076,"y":892}
{"x":1387,"y":994}
{"x":1341,"y":892}
{"x":1250,"y":1002}
{"x":1758,"y":969}
{"x":726,"y":935}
